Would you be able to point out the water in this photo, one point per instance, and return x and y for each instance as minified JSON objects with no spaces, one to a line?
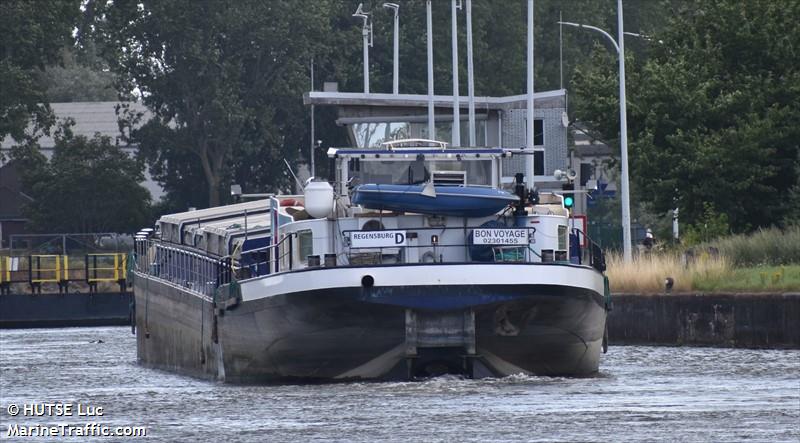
{"x":642,"y":393}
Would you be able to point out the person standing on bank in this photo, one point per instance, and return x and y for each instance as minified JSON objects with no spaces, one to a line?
{"x":649,"y":240}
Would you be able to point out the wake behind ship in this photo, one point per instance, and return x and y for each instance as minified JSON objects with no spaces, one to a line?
{"x":415,"y":261}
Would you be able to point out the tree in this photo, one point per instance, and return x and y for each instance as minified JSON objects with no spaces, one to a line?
{"x":89,"y":185}
{"x":225,"y":80}
{"x":75,"y":81}
{"x":31,"y":39}
{"x":222,"y":80}
{"x":711,"y":111}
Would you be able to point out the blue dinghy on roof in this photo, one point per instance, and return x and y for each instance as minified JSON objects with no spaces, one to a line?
{"x":457,"y":201}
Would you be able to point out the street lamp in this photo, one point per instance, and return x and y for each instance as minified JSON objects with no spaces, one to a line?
{"x":395,"y":69}
{"x":623,"y":127}
{"x":456,"y":132}
{"x":366,"y":33}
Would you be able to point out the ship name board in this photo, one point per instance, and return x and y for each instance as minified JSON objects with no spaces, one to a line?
{"x":486,"y":236}
{"x":377,"y":239}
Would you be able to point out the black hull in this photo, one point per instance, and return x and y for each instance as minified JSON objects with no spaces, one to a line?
{"x":359,"y":333}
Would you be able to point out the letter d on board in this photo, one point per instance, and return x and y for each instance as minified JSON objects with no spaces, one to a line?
{"x":399,"y":238}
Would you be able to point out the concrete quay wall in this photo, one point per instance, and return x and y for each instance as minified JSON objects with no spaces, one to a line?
{"x":61,"y":310}
{"x":721,"y":320}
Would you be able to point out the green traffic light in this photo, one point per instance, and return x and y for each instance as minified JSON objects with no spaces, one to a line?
{"x":569,"y":201}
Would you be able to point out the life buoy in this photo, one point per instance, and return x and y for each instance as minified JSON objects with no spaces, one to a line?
{"x":291,"y":202}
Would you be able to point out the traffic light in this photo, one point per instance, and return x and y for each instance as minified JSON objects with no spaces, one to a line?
{"x":569,"y":196}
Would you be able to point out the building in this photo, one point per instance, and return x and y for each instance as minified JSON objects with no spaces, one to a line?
{"x":90,"y":118}
{"x":94,"y":118}
{"x":500,"y":122}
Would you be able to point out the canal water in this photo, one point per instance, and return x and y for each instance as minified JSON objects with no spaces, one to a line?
{"x":641,"y":394}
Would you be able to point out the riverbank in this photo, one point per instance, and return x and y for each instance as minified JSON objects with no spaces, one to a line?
{"x":741,"y":320}
{"x":22,"y":310}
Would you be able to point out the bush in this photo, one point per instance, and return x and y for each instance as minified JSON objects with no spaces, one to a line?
{"x":709,"y":226}
{"x":771,"y":246}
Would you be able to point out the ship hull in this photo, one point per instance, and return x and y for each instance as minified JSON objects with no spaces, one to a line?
{"x":411,"y":321}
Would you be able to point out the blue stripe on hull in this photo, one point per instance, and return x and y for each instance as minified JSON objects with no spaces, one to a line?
{"x":461,"y":297}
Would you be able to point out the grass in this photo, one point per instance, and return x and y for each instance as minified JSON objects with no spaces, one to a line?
{"x":767,"y":260}
{"x":771,"y":246}
{"x":646,"y":274}
{"x":755,"y":279}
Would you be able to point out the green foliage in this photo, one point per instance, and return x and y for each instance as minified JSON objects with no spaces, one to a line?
{"x":223,"y":81}
{"x":753,"y":279}
{"x":32,"y":37}
{"x":74,"y":81}
{"x":771,"y":246}
{"x":90,"y":185}
{"x":711,"y":110}
{"x":709,"y":226}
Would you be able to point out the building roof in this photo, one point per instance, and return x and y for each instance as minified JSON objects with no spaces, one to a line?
{"x":90,"y":118}
{"x":95,"y":118}
{"x":588,"y":146}
{"x":544,"y":99}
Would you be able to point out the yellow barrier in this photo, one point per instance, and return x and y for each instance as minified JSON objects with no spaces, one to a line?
{"x":5,"y":269}
{"x":113,"y":267}
{"x":51,"y":274}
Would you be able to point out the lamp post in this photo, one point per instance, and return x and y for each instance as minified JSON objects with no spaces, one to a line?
{"x":470,"y":78}
{"x":456,"y":132}
{"x":396,"y":68}
{"x":623,"y":127}
{"x":429,"y":23}
{"x":530,"y":167}
{"x":366,"y":33}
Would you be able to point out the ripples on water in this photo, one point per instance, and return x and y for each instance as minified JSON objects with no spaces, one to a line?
{"x":641,"y":393}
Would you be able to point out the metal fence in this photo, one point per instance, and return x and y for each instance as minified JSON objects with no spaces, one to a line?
{"x":198,"y":273}
{"x":68,"y":244}
{"x":40,"y":270}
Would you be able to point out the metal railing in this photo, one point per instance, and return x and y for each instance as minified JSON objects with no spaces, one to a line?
{"x":592,"y":254}
{"x":5,"y":270}
{"x":106,"y":267}
{"x":195,"y":272}
{"x":42,"y":271}
{"x":267,"y":259}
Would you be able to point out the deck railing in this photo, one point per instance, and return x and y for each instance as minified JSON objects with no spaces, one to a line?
{"x":203,"y":274}
{"x":592,"y":254}
{"x":193,"y":271}
{"x":268,"y":259}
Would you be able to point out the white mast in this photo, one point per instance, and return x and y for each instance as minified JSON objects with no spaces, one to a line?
{"x":470,"y":78}
{"x":431,"y":126}
{"x":396,"y":68}
{"x":366,"y":33}
{"x":627,"y":250}
{"x":456,"y":133}
{"x":311,"y":155}
{"x":529,"y":166}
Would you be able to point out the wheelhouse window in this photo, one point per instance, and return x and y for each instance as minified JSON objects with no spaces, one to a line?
{"x":305,"y":245}
{"x":372,"y":134}
{"x":562,"y":237}
{"x":412,"y":172}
